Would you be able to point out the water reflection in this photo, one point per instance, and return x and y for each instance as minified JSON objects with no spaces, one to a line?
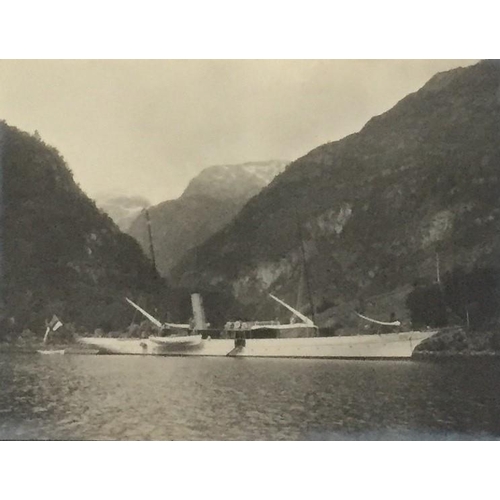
{"x":121,"y":397}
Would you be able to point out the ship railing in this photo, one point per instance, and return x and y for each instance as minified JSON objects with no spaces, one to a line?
{"x":247,"y":325}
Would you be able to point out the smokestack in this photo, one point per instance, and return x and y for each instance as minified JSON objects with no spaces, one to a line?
{"x":200,"y":321}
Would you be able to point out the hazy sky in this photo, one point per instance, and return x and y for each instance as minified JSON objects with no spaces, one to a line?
{"x":148,"y":127}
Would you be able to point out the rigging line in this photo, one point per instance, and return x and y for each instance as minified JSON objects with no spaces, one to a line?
{"x":388,"y":323}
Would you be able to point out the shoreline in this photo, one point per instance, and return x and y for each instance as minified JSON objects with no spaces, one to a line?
{"x":432,"y":355}
{"x":416,"y":356}
{"x":35,"y":347}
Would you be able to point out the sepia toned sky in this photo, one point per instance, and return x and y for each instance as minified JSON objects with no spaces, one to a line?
{"x":147,"y":127}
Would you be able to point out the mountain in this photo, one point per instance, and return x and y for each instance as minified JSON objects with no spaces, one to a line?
{"x":209,"y":203}
{"x":122,"y":209}
{"x":375,"y":209}
{"x":61,"y":255}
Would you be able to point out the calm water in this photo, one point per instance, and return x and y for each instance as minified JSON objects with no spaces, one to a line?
{"x":132,"y":397}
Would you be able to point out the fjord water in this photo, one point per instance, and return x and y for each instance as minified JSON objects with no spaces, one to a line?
{"x":160,"y":398}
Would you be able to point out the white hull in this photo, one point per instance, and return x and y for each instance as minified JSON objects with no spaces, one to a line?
{"x":60,"y":351}
{"x":390,"y":345}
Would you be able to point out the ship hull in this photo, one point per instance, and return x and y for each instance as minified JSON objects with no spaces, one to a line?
{"x":384,"y":346}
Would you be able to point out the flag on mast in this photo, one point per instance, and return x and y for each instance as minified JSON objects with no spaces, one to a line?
{"x":55,"y":323}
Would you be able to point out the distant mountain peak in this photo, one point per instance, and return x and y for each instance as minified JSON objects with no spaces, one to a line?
{"x":234,"y":181}
{"x":122,"y":209}
{"x":208,"y":204}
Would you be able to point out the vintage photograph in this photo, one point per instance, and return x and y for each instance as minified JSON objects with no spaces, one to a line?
{"x":249,"y":250}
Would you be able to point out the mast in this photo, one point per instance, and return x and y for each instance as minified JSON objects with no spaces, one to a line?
{"x":151,"y":253}
{"x":304,"y":265}
{"x":151,"y":246}
{"x":438,"y":274}
{"x":301,"y":295}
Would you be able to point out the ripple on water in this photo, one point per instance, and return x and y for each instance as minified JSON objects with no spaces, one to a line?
{"x":121,"y":397}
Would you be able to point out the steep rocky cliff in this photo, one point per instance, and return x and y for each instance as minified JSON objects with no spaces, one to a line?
{"x":210,"y":201}
{"x":61,"y":255}
{"x":375,"y":208}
